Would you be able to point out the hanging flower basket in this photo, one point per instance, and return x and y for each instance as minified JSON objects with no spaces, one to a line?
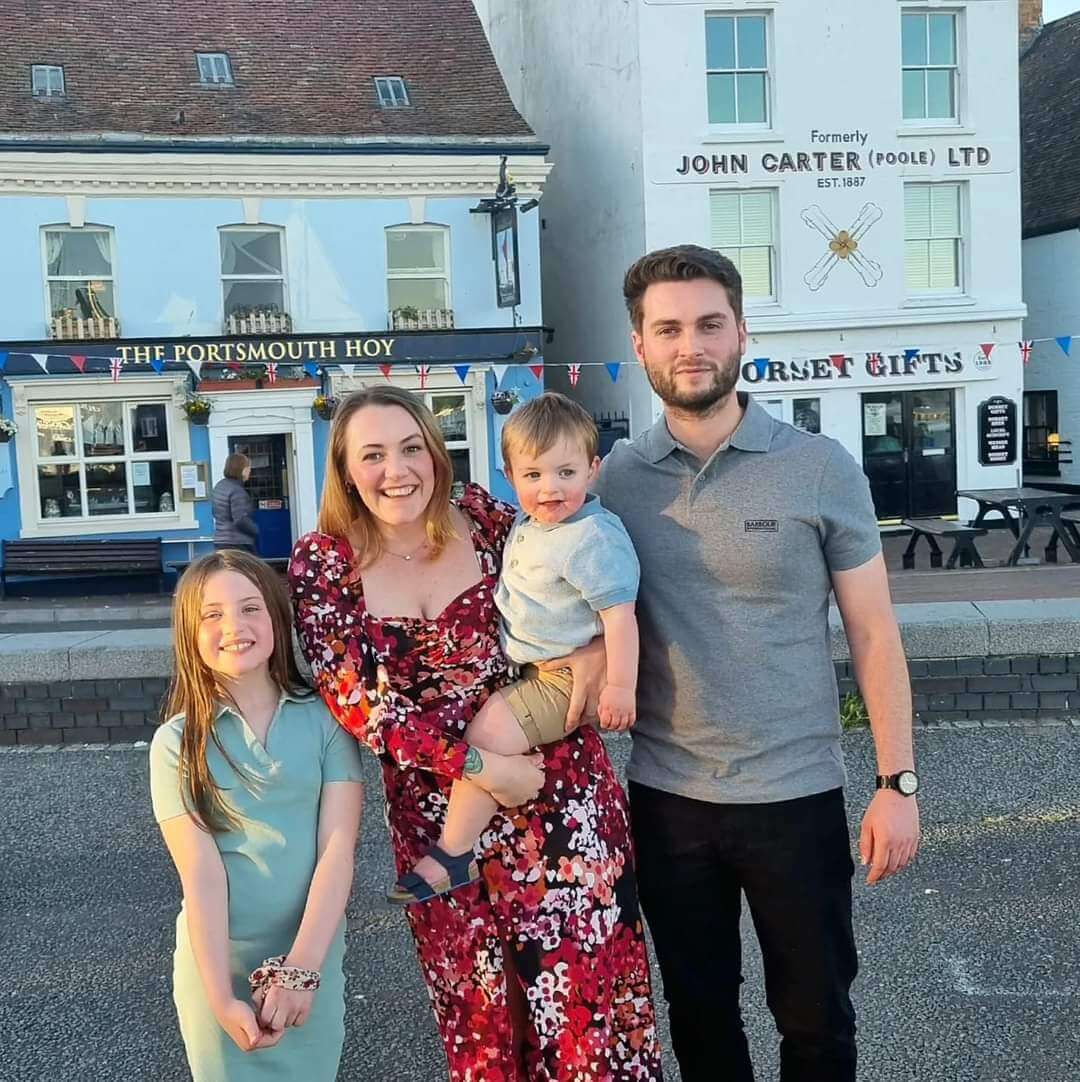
{"x":197,"y":410}
{"x":7,"y":429}
{"x":324,"y":406}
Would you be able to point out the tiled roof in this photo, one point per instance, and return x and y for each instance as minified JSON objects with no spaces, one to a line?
{"x":1050,"y":128}
{"x":304,"y":69}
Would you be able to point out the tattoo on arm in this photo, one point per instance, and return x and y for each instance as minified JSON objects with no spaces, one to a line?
{"x":474,"y":762}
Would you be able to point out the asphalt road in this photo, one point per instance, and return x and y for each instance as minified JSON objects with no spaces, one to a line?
{"x":970,"y":961}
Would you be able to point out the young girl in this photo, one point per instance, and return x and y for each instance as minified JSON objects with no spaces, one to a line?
{"x":257,"y":793}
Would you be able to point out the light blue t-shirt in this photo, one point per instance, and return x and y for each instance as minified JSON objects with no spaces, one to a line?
{"x":556,"y":578}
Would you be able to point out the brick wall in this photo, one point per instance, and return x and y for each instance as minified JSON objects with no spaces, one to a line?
{"x":80,"y":711}
{"x":1031,"y":21}
{"x":988,"y":688}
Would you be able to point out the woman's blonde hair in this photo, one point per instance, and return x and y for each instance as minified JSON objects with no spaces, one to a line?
{"x":196,"y":692}
{"x":235,"y":465}
{"x":538,"y":425}
{"x":343,"y":514}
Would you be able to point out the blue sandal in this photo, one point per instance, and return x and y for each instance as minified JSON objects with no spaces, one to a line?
{"x":460,"y":872}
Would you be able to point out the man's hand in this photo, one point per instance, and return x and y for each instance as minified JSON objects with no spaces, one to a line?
{"x":889,"y":838}
{"x":588,"y":664}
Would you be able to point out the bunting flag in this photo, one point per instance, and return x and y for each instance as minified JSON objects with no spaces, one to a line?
{"x":987,"y":348}
{"x":42,"y":360}
{"x":312,"y":369}
{"x":386,"y":369}
{"x":837,"y":361}
{"x":538,"y":371}
{"x":3,"y":361}
{"x":348,"y":369}
{"x":158,"y":366}
{"x":1025,"y":351}
{"x":761,"y":365}
{"x":500,"y":373}
{"x":874,"y":363}
{"x":196,"y":367}
{"x":462,"y":371}
{"x":910,"y":354}
{"x":423,"y":370}
{"x":1065,"y":341}
{"x":115,"y":365}
{"x":575,"y":373}
{"x":79,"y":363}
{"x":613,"y":370}
{"x":271,"y":372}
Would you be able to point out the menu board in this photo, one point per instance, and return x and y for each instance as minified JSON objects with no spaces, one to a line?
{"x":997,"y":431}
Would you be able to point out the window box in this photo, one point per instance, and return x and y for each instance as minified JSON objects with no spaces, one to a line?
{"x":258,"y":322}
{"x":68,"y":326}
{"x":422,"y":319}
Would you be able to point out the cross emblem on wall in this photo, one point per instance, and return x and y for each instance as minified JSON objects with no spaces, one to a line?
{"x":843,"y":246}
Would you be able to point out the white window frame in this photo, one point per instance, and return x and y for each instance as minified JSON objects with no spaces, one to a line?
{"x":956,"y":68}
{"x":392,"y":92}
{"x":47,"y":81}
{"x":282,"y":277}
{"x":28,"y":393}
{"x":440,"y":381}
{"x":49,"y":278}
{"x":215,"y":69}
{"x":423,"y":273}
{"x":767,"y":71}
{"x":774,"y":248}
{"x":960,"y":289}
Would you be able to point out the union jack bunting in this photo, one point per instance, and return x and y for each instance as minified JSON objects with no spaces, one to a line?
{"x":423,"y":369}
{"x":575,"y":374}
{"x":1025,"y":351}
{"x":115,"y":365}
{"x":271,"y":372}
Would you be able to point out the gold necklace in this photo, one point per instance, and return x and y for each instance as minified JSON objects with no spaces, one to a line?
{"x":423,"y":545}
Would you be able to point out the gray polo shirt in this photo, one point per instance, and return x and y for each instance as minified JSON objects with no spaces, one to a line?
{"x":737,"y":697}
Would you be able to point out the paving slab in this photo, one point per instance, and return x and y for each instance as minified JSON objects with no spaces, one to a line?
{"x":144,"y":652}
{"x":932,"y":630}
{"x":37,"y":656}
{"x":1048,"y":626}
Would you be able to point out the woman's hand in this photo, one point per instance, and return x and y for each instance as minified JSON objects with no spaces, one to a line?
{"x":238,"y":1020}
{"x":282,"y":1007}
{"x":510,"y":779}
{"x":618,"y":707}
{"x":588,"y":665}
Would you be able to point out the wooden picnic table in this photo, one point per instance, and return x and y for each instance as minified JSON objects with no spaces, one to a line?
{"x":1025,"y":509}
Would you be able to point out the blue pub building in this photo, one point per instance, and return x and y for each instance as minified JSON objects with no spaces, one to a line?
{"x":212,"y":227}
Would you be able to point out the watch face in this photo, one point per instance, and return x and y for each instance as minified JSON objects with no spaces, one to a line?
{"x":907,"y":782}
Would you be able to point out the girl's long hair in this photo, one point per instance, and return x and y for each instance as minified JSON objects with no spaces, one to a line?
{"x":343,"y":514}
{"x":196,"y":691}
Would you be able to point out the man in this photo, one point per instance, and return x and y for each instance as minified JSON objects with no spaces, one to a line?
{"x":743,"y":525}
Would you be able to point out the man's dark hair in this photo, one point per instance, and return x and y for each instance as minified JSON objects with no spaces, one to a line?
{"x":683,"y":263}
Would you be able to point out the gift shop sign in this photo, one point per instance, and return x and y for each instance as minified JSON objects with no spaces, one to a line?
{"x":997,"y":431}
{"x":865,"y":369}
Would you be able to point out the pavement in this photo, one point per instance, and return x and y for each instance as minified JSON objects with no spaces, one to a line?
{"x":970,"y":961}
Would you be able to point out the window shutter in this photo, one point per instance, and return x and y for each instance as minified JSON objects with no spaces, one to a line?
{"x":726,"y":229}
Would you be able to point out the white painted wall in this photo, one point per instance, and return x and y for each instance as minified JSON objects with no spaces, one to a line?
{"x":574,"y":73}
{"x":836,"y":69}
{"x":1051,"y":280}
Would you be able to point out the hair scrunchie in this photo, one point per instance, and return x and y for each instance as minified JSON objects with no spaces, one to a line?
{"x":274,"y":971}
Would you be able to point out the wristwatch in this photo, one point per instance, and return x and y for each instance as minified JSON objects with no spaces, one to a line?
{"x":906,"y":783}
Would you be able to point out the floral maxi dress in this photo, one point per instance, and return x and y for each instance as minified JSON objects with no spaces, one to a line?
{"x":557,"y":884}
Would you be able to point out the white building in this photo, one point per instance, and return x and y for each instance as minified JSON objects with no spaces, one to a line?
{"x":1049,"y":121}
{"x":858,"y":160}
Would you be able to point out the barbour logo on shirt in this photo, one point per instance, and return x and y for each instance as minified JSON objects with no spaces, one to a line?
{"x":761,"y":525}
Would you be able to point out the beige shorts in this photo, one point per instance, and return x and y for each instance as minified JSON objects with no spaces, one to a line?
{"x":539,"y":701}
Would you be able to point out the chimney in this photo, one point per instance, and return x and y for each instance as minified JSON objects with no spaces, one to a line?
{"x":1031,"y":22}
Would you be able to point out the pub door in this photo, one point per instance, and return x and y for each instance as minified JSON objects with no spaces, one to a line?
{"x":268,"y":487}
{"x":909,"y":452}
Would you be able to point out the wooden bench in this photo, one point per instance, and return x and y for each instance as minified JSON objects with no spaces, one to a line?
{"x":76,"y":558}
{"x":1070,"y":520}
{"x":963,"y":538}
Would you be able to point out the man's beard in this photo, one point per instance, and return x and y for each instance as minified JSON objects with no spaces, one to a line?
{"x":725,"y":377}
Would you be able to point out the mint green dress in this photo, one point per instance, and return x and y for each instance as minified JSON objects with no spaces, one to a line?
{"x":269,"y":861}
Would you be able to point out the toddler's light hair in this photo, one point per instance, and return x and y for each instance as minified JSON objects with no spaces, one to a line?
{"x":538,"y":425}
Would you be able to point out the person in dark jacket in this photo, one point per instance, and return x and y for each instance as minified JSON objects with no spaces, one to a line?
{"x":234,"y":523}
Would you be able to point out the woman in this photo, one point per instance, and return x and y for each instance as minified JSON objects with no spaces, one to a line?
{"x":538,"y":972}
{"x":234,"y":523}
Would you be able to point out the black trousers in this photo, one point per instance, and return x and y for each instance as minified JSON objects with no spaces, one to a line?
{"x":793,"y":862}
